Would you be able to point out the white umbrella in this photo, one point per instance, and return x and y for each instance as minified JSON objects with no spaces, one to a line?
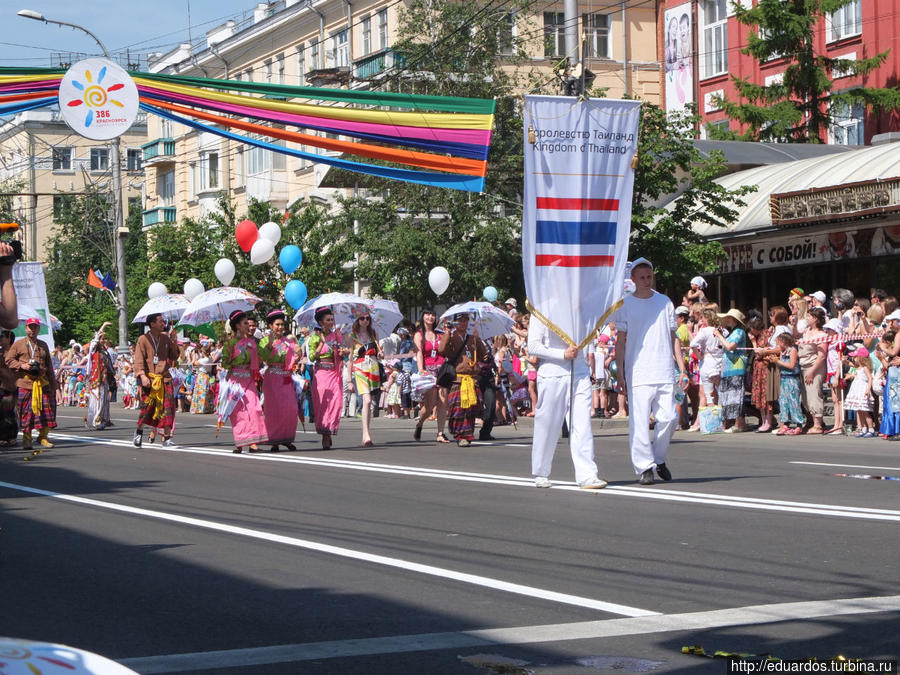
{"x":346,"y":307}
{"x":217,"y":304}
{"x":385,"y":315}
{"x":490,"y":320}
{"x":170,"y":305}
{"x":55,"y":323}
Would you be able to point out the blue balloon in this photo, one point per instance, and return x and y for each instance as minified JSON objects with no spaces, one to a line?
{"x":295,"y":293}
{"x":290,"y":258}
{"x":489,"y":293}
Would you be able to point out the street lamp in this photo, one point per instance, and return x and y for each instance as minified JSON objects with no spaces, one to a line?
{"x":118,"y":220}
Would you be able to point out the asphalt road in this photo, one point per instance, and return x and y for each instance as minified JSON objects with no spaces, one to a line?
{"x":417,"y":557}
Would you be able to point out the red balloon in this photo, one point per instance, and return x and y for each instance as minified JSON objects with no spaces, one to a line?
{"x":246,"y":233}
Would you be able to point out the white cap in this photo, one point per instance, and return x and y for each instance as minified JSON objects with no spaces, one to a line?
{"x":819,"y":295}
{"x":700,"y":281}
{"x":681,"y":309}
{"x":893,"y":316}
{"x":834,"y":324}
{"x":641,"y":261}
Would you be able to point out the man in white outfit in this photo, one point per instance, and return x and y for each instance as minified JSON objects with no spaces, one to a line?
{"x":647,"y":354}
{"x":554,"y":377}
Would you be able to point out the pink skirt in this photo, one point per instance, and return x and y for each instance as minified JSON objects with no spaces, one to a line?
{"x":280,"y":406}
{"x":328,"y":399}
{"x":247,"y":422}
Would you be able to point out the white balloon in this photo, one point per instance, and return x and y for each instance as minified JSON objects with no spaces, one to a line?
{"x":156,"y":289}
{"x":262,"y":250}
{"x":193,"y":288}
{"x":270,"y":231}
{"x":439,"y":280}
{"x":224,"y":270}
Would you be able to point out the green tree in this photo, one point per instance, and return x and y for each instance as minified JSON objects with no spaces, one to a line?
{"x":669,"y":164}
{"x":803,"y":106}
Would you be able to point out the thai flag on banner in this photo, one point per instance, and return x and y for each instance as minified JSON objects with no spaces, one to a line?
{"x":577,"y":207}
{"x":575,"y":232}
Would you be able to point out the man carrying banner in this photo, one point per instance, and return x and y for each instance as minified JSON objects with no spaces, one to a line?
{"x":647,"y":354}
{"x":554,"y":379}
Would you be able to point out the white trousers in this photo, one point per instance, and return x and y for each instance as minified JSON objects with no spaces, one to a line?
{"x":553,"y":404}
{"x":643,"y":400}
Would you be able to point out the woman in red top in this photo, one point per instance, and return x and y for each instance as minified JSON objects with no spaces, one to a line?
{"x":429,"y":360}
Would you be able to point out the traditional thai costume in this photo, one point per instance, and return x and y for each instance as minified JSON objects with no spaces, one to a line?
{"x":327,"y":390}
{"x":279,"y":397}
{"x":241,"y":359}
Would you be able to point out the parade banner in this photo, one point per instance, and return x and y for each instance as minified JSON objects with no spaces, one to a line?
{"x":28,"y":280}
{"x":576,"y":217}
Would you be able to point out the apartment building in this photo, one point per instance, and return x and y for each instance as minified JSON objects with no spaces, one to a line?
{"x":334,"y":43}
{"x":701,"y":42}
{"x":49,"y":163}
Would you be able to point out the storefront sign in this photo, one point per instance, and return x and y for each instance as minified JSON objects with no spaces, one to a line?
{"x":822,"y":205}
{"x":793,"y":251}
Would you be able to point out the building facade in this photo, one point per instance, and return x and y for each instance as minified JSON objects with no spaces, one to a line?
{"x":44,"y":163}
{"x":333,"y":43}
{"x":701,"y":43}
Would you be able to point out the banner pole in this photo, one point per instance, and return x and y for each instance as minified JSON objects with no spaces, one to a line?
{"x":571,"y":400}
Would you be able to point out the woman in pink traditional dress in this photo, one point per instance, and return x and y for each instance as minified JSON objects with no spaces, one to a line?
{"x":241,"y":359}
{"x":366,"y":372}
{"x":279,"y":352}
{"x":326,"y":350}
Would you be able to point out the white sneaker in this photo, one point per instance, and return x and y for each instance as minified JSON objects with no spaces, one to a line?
{"x":543,"y":482}
{"x":168,"y":443}
{"x":593,"y":483}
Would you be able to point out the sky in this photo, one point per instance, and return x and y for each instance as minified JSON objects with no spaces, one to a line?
{"x":140,"y":25}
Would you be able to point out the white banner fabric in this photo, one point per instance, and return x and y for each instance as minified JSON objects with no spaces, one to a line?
{"x":28,"y":279}
{"x":576,"y":218}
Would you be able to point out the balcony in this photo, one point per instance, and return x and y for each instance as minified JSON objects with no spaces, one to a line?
{"x":370,"y":67}
{"x":160,"y":151}
{"x":338,"y":76}
{"x":160,"y":214}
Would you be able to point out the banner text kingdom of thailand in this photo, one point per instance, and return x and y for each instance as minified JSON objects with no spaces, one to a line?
{"x":577,"y":213}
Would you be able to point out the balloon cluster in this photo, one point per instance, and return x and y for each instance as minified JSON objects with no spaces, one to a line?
{"x":260,"y":243}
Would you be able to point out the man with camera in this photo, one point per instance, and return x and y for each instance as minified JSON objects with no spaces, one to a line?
{"x":29,"y":358}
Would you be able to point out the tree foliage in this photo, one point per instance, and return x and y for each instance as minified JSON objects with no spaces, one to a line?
{"x":669,"y":164}
{"x":803,"y":106}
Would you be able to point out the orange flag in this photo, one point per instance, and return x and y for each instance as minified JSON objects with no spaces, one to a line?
{"x":94,"y":280}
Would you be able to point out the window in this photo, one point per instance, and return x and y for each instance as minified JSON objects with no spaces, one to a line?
{"x":165,"y":128}
{"x":505,"y":33}
{"x":239,"y":166}
{"x":301,"y":66}
{"x":340,"y":48}
{"x":714,"y":22}
{"x":837,"y":72}
{"x":267,"y":72}
{"x":62,"y":159}
{"x":847,"y":124}
{"x":258,"y":161}
{"x":382,"y":29}
{"x":165,"y":187}
{"x":279,"y":69}
{"x":314,"y":55}
{"x":209,"y":171}
{"x":845,"y":22}
{"x":554,"y":33}
{"x":365,"y":28}
{"x":134,"y":205}
{"x":61,"y":206}
{"x":192,"y":179}
{"x":133,"y":159}
{"x":99,"y":159}
{"x":596,"y":32}
{"x":708,"y":130}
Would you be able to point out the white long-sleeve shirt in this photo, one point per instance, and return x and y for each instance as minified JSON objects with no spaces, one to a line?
{"x":550,"y":349}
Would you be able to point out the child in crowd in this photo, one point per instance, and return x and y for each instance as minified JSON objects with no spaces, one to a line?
{"x":859,"y":398}
{"x":392,"y":387}
{"x":789,"y":398}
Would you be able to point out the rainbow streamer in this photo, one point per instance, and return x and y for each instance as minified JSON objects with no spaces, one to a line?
{"x":441,"y":141}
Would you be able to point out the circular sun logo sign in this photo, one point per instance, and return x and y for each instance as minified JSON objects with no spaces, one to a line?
{"x":98,"y":99}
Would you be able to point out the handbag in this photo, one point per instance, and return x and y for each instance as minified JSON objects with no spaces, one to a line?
{"x":446,"y":374}
{"x":710,"y":419}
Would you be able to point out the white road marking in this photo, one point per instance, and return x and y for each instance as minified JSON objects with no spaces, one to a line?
{"x":526,"y":635}
{"x":431,"y":570}
{"x":851,"y":466}
{"x":664,"y":494}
